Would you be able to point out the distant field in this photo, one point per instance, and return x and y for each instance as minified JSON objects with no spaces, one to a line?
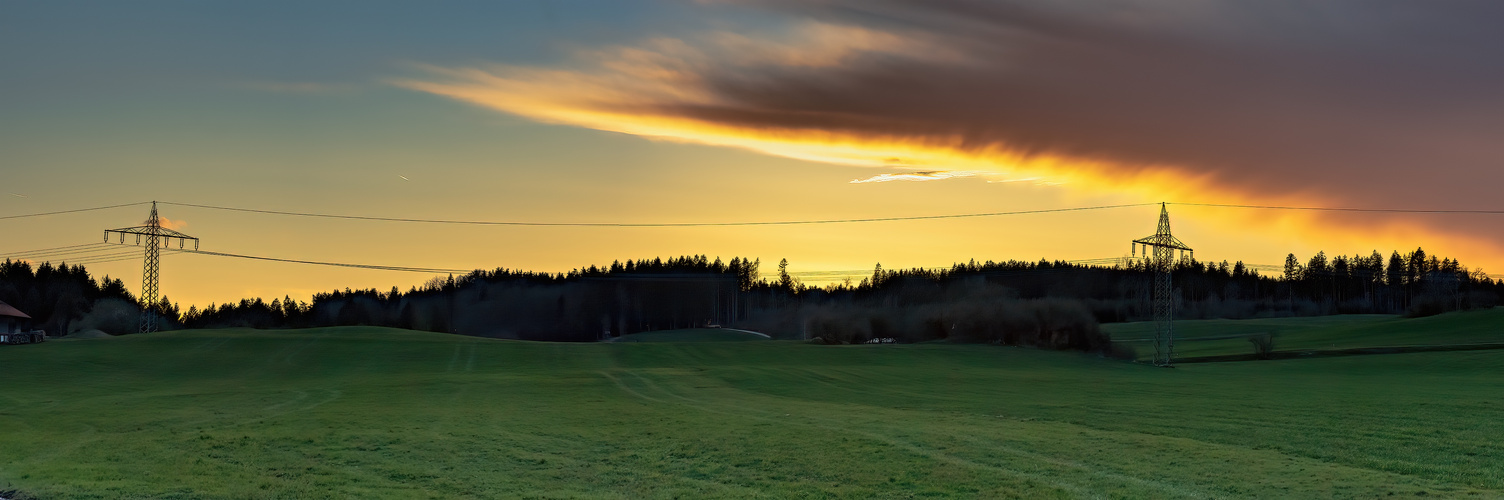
{"x":378,"y":413}
{"x":693,"y":335}
{"x":1324,"y":332}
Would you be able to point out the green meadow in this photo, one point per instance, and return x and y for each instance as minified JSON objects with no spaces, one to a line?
{"x":1220,"y":337}
{"x":694,"y":335}
{"x":380,"y":413}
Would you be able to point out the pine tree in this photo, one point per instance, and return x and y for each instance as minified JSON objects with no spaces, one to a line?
{"x":785,"y":281}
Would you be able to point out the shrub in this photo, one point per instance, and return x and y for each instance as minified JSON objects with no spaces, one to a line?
{"x":1263,"y":345}
{"x":1426,"y":306}
{"x":1044,"y":323}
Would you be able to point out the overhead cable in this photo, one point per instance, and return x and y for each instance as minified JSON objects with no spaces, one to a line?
{"x":2,"y":217}
{"x":335,"y":264}
{"x":655,"y":224}
{"x":53,"y":248}
{"x":1344,"y":209}
{"x":101,"y":247}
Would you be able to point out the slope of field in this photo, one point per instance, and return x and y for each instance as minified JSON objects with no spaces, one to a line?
{"x":693,"y":335}
{"x":1223,"y":337}
{"x":373,"y":413}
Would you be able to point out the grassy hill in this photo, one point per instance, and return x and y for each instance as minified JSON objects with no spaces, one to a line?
{"x":1223,"y":337}
{"x":694,"y":335}
{"x":379,"y":413}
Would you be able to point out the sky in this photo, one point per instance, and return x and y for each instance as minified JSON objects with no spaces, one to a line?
{"x":744,"y":110}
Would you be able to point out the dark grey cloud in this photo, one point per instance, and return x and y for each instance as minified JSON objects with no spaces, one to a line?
{"x":1371,"y":102}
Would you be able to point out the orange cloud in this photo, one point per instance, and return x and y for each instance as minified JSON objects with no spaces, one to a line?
{"x":175,"y":225}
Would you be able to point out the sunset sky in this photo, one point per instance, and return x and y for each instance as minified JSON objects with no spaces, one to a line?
{"x":745,"y":110}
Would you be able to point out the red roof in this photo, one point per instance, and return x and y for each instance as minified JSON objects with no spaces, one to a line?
{"x":7,"y":310}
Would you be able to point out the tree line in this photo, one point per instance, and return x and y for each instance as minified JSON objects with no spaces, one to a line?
{"x":1052,"y":304}
{"x":57,"y":297}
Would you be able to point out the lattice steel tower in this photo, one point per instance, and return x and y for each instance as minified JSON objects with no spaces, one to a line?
{"x":1165,"y":246}
{"x":157,"y":237}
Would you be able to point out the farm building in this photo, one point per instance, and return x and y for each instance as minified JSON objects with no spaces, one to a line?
{"x":12,"y":320}
{"x":14,"y":327}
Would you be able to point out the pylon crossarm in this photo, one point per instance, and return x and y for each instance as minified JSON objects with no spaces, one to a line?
{"x":168,"y":233}
{"x":131,"y":230}
{"x":1155,"y":241}
{"x":159,"y":231}
{"x":163,"y":234}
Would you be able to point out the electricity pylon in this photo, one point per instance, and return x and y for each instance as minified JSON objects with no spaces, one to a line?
{"x":157,"y":237}
{"x":1165,"y":246}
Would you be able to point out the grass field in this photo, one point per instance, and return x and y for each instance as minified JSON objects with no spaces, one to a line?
{"x":694,"y":335}
{"x":367,"y":413}
{"x":1223,"y":337}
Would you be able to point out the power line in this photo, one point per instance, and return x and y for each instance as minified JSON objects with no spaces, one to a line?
{"x":53,"y":248}
{"x":822,"y":221}
{"x":84,"y":261}
{"x":109,"y":256}
{"x":97,"y":247}
{"x":655,"y":224}
{"x":100,"y":253}
{"x":93,"y":251}
{"x":71,"y":211}
{"x":134,"y":256}
{"x":762,"y":223}
{"x":1344,"y":209}
{"x":76,"y":258}
{"x":335,"y":264}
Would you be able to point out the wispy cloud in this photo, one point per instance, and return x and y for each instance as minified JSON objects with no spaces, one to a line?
{"x":667,"y":88}
{"x":929,"y":175}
